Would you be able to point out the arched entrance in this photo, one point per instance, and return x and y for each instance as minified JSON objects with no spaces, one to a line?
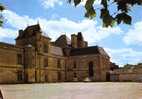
{"x":91,"y":70}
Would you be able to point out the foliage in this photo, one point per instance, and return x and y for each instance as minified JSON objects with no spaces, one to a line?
{"x":120,"y":16}
{"x":1,"y":17}
{"x":128,"y":66}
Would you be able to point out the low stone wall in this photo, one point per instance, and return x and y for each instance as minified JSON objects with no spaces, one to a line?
{"x":126,"y":75}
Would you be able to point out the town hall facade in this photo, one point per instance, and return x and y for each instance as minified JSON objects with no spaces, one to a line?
{"x":36,"y":59}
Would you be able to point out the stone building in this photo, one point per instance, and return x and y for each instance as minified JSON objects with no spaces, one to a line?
{"x":127,"y":73}
{"x":36,"y":59}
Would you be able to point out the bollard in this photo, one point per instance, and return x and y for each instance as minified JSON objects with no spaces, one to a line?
{"x":1,"y":97}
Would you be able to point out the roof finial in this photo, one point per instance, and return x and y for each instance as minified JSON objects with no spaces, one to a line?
{"x":38,"y":21}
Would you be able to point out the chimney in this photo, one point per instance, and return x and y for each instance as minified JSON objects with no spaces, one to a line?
{"x":85,"y":44}
{"x":80,"y":40}
{"x":74,"y":41}
{"x":20,"y":33}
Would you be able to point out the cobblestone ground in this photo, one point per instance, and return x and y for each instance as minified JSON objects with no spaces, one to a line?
{"x":73,"y":91}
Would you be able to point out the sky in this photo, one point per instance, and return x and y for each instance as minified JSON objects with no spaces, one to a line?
{"x":122,"y":42}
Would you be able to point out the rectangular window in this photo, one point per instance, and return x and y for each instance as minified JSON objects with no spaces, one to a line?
{"x":59,"y":63}
{"x":46,"y":62}
{"x":19,"y":75}
{"x":19,"y":59}
{"x":74,"y":64}
{"x":59,"y":76}
{"x":46,"y":78}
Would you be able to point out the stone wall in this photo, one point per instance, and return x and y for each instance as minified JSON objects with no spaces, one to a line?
{"x":9,"y":55}
{"x":9,"y":74}
{"x":126,"y":75}
{"x":9,"y":65}
{"x":82,"y":65}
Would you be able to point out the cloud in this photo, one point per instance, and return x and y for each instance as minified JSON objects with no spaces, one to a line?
{"x":89,"y":28}
{"x":124,"y":55}
{"x":7,"y":33}
{"x":50,"y":3}
{"x":134,"y":35}
{"x":54,"y":28}
{"x":16,"y":21}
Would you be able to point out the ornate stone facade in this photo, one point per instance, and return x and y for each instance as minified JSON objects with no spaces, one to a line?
{"x":35,"y":59}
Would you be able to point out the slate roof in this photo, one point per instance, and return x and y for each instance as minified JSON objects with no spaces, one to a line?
{"x":68,"y":41}
{"x":7,"y":45}
{"x":88,"y":50}
{"x":33,"y":27}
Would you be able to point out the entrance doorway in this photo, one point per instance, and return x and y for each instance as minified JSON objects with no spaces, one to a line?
{"x":91,"y":69}
{"x":36,"y":76}
{"x":107,"y":76}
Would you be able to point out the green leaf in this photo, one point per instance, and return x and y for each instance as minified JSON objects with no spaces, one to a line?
{"x":2,"y":7}
{"x":107,"y":19}
{"x":90,"y":12}
{"x":123,"y":17}
{"x":104,"y":3}
{"x":76,"y":2}
{"x":1,"y":23}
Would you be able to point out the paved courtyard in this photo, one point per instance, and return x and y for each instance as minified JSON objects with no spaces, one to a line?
{"x":106,"y":90}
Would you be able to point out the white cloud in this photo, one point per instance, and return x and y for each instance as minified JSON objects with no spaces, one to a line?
{"x":89,"y":28}
{"x":134,"y":35}
{"x":124,"y":55}
{"x":17,"y":21}
{"x":50,"y":3}
{"x":7,"y":33}
{"x":54,"y":28}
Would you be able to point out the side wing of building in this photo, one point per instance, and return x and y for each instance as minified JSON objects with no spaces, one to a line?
{"x":11,"y":64}
{"x":90,"y":63}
